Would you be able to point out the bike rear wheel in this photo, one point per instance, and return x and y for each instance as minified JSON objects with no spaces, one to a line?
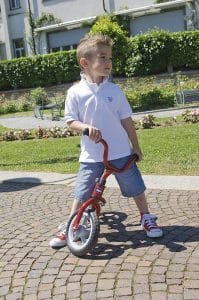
{"x":84,"y":239}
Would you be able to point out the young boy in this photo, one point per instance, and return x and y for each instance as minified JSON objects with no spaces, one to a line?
{"x":101,"y":106}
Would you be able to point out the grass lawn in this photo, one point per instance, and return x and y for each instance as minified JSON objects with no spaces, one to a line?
{"x":3,"y":129}
{"x":172,"y":150}
{"x":48,"y":155}
{"x":18,"y":114}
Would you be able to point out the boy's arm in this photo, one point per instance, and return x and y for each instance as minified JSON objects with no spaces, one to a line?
{"x":94,"y":133}
{"x":129,"y":127}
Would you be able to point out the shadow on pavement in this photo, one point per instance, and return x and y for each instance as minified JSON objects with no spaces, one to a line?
{"x":120,"y":238}
{"x":17,"y":184}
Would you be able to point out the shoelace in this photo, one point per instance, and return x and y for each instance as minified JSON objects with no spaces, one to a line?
{"x":62,"y":227}
{"x":62,"y":231}
{"x":150,"y":221}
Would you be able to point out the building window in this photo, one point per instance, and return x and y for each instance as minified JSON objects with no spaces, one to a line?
{"x":19,"y":50}
{"x":15,"y":4}
{"x":63,"y":48}
{"x":69,"y":47}
{"x":66,"y":48}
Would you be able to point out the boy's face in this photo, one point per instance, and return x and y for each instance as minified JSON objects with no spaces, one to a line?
{"x":100,"y":63}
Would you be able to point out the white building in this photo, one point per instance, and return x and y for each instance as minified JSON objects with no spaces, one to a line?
{"x":75,"y":17}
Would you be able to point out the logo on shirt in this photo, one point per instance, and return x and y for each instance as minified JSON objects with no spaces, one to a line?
{"x":109,"y":98}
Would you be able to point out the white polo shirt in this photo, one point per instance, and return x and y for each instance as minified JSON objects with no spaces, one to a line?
{"x":102,"y":106}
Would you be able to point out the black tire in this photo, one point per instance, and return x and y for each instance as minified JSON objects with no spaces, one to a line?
{"x":83,"y":240}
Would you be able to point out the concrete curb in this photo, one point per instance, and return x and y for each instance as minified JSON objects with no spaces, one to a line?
{"x":151,"y":181}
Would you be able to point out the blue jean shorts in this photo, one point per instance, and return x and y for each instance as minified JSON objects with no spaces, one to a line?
{"x":130,"y":181}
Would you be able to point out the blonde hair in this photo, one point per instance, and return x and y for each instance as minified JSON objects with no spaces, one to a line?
{"x":89,"y":43}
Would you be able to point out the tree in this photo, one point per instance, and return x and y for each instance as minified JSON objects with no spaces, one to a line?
{"x":107,"y":25}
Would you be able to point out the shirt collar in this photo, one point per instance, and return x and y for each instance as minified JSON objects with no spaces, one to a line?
{"x":92,"y":85}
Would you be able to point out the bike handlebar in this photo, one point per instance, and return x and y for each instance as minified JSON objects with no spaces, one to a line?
{"x":107,"y":164}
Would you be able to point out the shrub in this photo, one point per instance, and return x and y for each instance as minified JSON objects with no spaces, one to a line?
{"x":156,"y":99}
{"x":22,"y":103}
{"x":58,"y":132}
{"x":14,"y":135}
{"x":191,"y":116}
{"x":42,"y":133}
{"x":10,"y":136}
{"x":25,"y":134}
{"x":59,"y":99}
{"x":39,"y":96}
{"x":144,"y":94}
{"x":11,"y":107}
{"x":147,"y":121}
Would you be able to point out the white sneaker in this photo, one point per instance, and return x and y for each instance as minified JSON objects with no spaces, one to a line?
{"x":60,"y":239}
{"x":148,"y":223}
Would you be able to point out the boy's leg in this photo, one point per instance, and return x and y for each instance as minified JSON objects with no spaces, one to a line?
{"x":60,"y":239}
{"x":75,"y":206}
{"x":141,"y":203}
{"x":84,"y":185}
{"x":148,"y":221}
{"x":132,"y":185}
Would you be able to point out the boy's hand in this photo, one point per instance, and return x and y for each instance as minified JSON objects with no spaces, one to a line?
{"x":94,"y":134}
{"x":139,"y":153}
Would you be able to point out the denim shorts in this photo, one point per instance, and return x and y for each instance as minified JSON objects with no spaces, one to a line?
{"x":130,"y":181}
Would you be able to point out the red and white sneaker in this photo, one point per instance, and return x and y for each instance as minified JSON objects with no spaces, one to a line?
{"x":148,"y":223}
{"x":60,"y":239}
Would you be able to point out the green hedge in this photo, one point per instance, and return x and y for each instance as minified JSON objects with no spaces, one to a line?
{"x":39,"y":70}
{"x":154,"y":51}
{"x":144,"y":54}
{"x":185,"y":52}
{"x":149,"y":53}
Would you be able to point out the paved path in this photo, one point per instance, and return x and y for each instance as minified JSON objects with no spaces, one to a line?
{"x":126,"y":264}
{"x":32,"y":122}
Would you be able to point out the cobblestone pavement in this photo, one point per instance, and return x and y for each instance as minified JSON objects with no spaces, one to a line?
{"x":126,"y":265}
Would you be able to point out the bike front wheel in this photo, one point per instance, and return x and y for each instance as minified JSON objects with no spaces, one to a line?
{"x":84,"y":239}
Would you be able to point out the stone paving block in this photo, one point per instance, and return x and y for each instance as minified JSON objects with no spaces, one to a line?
{"x":4,"y":290}
{"x":175,"y":297}
{"x":127,"y":265}
{"x":176,"y":289}
{"x":91,"y":287}
{"x":108,"y":294}
{"x":14,"y":296}
{"x":88,"y":278}
{"x":89,"y":296}
{"x":31,"y":297}
{"x":126,"y":291}
{"x":142,"y":296}
{"x":105,"y":284}
{"x":191,"y":294}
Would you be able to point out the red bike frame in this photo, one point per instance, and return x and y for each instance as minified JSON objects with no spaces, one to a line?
{"x":96,"y":200}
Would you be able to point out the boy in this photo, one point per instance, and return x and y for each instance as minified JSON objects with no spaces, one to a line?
{"x":101,"y":106}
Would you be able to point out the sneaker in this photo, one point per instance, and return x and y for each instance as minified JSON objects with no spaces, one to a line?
{"x":148,"y":223}
{"x":60,"y":239}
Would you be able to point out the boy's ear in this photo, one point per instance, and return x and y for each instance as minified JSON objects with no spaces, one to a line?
{"x":83,"y":62}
